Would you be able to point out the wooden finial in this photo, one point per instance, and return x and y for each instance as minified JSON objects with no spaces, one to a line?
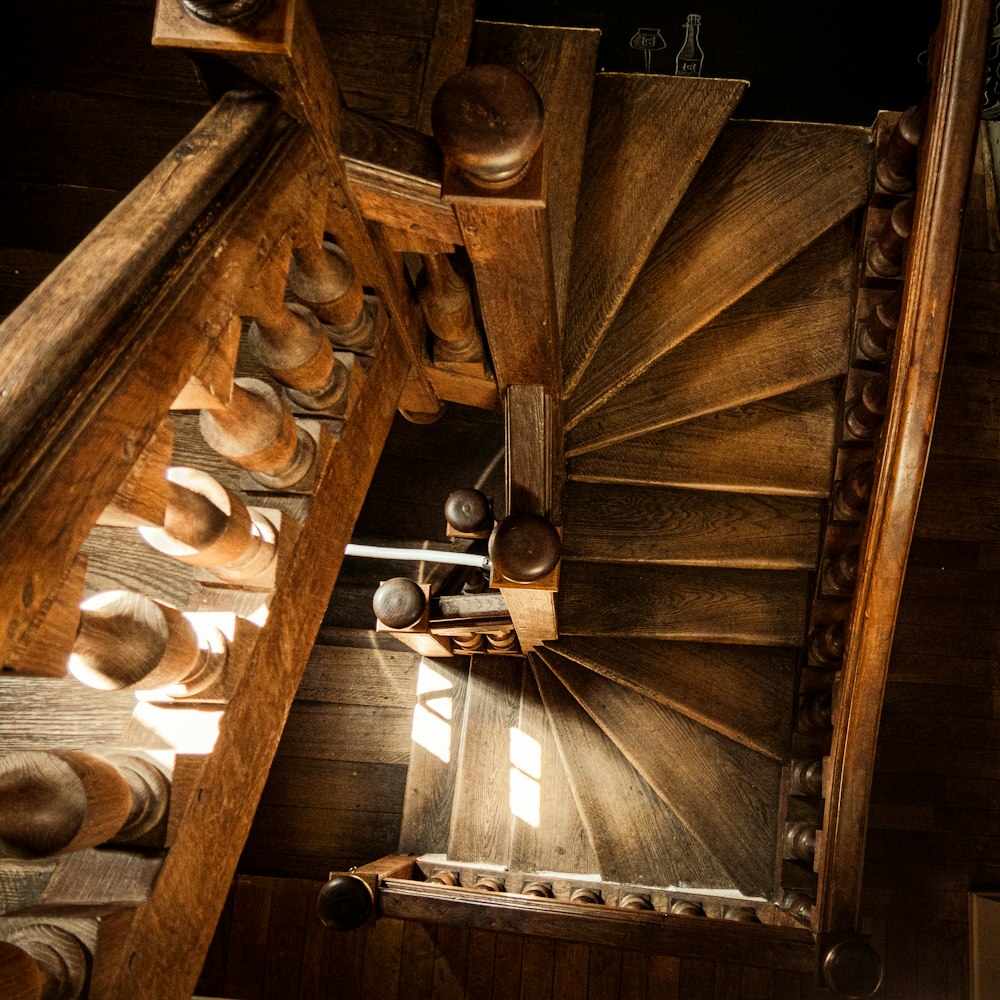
{"x":257,"y":432}
{"x":128,"y":641}
{"x":852,"y":969}
{"x":399,"y":603}
{"x":227,"y":12}
{"x":468,"y":512}
{"x":488,"y":121}
{"x":525,"y":547}
{"x":345,"y":902}
{"x":447,"y":304}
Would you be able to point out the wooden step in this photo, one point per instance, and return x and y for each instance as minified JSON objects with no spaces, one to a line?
{"x":635,"y":835}
{"x":743,"y":692}
{"x":614,"y":522}
{"x":780,"y":445}
{"x":630,"y":188}
{"x":791,"y":331}
{"x":548,"y":832}
{"x":435,"y":744}
{"x":765,"y":192}
{"x":691,"y":603}
{"x":480,"y":814}
{"x":725,"y":794}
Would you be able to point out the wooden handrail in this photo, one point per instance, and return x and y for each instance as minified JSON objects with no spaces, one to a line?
{"x":929,"y":282}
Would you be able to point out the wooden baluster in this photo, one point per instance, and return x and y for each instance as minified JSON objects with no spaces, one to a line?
{"x":635,"y":901}
{"x":128,"y":641}
{"x":56,"y":802}
{"x":877,"y":331}
{"x":468,"y":513}
{"x":799,"y":905}
{"x":896,"y":169}
{"x":52,"y":963}
{"x":852,"y":968}
{"x":816,"y":712}
{"x":800,"y":841}
{"x":447,"y":304}
{"x":740,"y":914}
{"x":490,"y":883}
{"x":686,"y":908}
{"x":826,"y":644}
{"x":866,"y":413}
{"x":841,"y":572}
{"x":805,"y":777}
{"x":543,"y":890}
{"x":850,"y":499}
{"x":470,"y":642}
{"x":444,"y":877}
{"x":206,"y":525}
{"x":886,"y":252}
{"x":502,"y":639}
{"x":257,"y":432}
{"x":585,"y":894}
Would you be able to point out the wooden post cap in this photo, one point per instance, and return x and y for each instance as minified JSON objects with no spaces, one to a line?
{"x":468,"y":511}
{"x":488,"y":121}
{"x":852,"y":969}
{"x":525,"y":547}
{"x":345,"y":902}
{"x":399,"y":603}
{"x":226,"y":12}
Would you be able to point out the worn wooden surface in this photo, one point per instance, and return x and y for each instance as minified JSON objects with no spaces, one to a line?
{"x":765,"y":192}
{"x":630,"y":188}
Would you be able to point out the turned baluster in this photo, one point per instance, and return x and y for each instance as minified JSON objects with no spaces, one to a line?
{"x":399,"y":603}
{"x":540,"y":889}
{"x":841,"y":572}
{"x":686,"y":908}
{"x":206,"y":525}
{"x":490,"y":883}
{"x":447,"y":304}
{"x":850,"y":499}
{"x":56,"y":802}
{"x":805,"y":777}
{"x":50,"y":962}
{"x":800,"y":841}
{"x":867,"y":412}
{"x":896,"y":168}
{"x":799,"y":905}
{"x":816,"y":712}
{"x":290,"y":343}
{"x":444,"y":877}
{"x":886,"y":252}
{"x":468,"y":513}
{"x":635,"y":901}
{"x":741,"y":914}
{"x":128,"y":641}
{"x":322,"y":277}
{"x":852,"y":968}
{"x":502,"y":639}
{"x":826,"y":644}
{"x":257,"y":432}
{"x":877,"y":331}
{"x":525,"y":547}
{"x":471,"y":642}
{"x":587,"y":895}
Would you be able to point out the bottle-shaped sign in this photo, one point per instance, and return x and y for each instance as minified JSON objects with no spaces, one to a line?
{"x":648,"y":41}
{"x":690,"y":57}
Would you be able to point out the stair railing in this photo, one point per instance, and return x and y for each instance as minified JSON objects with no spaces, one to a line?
{"x":178,"y":442}
{"x":921,"y":241}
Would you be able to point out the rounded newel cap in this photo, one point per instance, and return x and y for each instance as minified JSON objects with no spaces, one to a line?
{"x":226,"y":12}
{"x":488,"y":121}
{"x":345,"y":902}
{"x":525,"y":547}
{"x":398,"y":603}
{"x":468,"y":511}
{"x":852,"y":969}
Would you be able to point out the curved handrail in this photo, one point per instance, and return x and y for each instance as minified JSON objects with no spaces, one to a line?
{"x":928,"y":287}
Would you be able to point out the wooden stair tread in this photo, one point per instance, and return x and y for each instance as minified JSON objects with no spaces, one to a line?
{"x":480,"y":814}
{"x":743,"y":692}
{"x":635,"y":835}
{"x":555,"y":839}
{"x":692,"y":603}
{"x":765,"y":192}
{"x":791,"y":331}
{"x":779,"y":445}
{"x":434,"y":752}
{"x":631,"y":187}
{"x":611,"y":522}
{"x":725,"y":794}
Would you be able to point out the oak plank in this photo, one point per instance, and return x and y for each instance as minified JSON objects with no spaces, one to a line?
{"x":417,"y":961}
{"x":538,"y":969}
{"x":450,"y":963}
{"x":382,"y":959}
{"x":386,"y":678}
{"x":480,"y":977}
{"x":248,"y":930}
{"x":348,"y":732}
{"x":631,"y":187}
{"x":292,"y":904}
{"x":779,"y":445}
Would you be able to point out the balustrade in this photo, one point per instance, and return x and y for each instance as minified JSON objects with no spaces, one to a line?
{"x":896,"y":169}
{"x":447,"y":303}
{"x":886,"y":252}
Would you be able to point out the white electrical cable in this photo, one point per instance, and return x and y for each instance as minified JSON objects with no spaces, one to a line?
{"x":417,"y":555}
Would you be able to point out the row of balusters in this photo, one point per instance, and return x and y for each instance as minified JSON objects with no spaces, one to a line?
{"x":888,"y":222}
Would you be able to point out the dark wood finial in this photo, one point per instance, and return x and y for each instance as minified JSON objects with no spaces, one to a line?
{"x":399,"y":603}
{"x":345,"y":902}
{"x":525,"y":547}
{"x":226,"y":12}
{"x":852,"y":969}
{"x":468,"y":511}
{"x":488,"y":121}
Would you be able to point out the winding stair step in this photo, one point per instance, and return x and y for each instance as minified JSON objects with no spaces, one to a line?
{"x":635,"y":835}
{"x":791,"y":331}
{"x":742,"y":692}
{"x":782,"y":445}
{"x":765,"y":192}
{"x":611,"y":522}
{"x":725,"y":794}
{"x":631,"y":186}
{"x":691,"y":603}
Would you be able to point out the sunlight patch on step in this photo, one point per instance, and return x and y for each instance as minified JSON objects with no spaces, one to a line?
{"x":525,"y":777}
{"x":432,"y":713}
